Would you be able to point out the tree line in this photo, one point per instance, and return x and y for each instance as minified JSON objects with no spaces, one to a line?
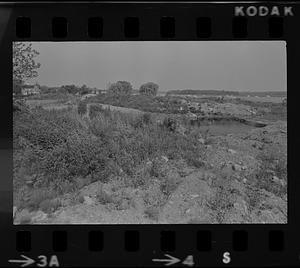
{"x":124,"y":88}
{"x":26,"y":67}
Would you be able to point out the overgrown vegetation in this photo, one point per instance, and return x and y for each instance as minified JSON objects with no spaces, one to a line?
{"x":54,"y":148}
{"x":272,"y":173}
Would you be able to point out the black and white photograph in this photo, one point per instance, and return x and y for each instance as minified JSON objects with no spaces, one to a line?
{"x":150,"y":132}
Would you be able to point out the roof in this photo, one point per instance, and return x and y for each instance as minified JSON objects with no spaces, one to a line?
{"x":28,"y":86}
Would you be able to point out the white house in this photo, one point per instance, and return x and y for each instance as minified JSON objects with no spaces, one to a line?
{"x":30,"y":90}
{"x":97,"y":91}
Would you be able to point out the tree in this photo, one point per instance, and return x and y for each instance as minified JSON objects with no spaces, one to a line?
{"x":120,"y":88}
{"x":84,"y":90}
{"x":149,"y":89}
{"x":71,"y":89}
{"x":24,"y":64}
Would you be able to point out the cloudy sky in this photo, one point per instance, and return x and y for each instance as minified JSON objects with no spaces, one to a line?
{"x":228,"y":65}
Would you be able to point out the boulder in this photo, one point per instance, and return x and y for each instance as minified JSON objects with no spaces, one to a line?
{"x":241,"y":206}
{"x":232,"y":151}
{"x":201,"y":140}
{"x":88,"y":200}
{"x":39,"y":216}
{"x":236,"y":167}
{"x":166,"y":159}
{"x":278,"y":181}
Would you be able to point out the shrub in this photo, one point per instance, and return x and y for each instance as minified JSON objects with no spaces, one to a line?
{"x":80,"y":199}
{"x":141,"y":176}
{"x":168,"y":185}
{"x":81,"y":155}
{"x":95,"y":110}
{"x":45,"y":129}
{"x":82,"y":107}
{"x":271,"y":166}
{"x":103,"y":197}
{"x":158,"y":168}
{"x":170,"y":124}
{"x":149,"y":89}
{"x":37,"y":196}
{"x":254,"y":197}
{"x":144,"y":120}
{"x":223,"y":199}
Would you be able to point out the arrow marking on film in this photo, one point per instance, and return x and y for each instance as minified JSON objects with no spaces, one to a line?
{"x":27,"y":261}
{"x":172,"y":260}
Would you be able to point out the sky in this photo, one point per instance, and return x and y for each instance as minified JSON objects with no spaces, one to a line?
{"x":220,"y":65}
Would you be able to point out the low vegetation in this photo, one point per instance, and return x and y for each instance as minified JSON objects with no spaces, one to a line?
{"x":53,"y":148}
{"x":57,"y":152}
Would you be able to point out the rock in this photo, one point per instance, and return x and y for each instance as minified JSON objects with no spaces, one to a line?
{"x":279,"y":181}
{"x":39,"y":216}
{"x":188,"y":211}
{"x":194,"y":195}
{"x":244,"y":167}
{"x":236,"y":167}
{"x":241,"y":207}
{"x":201,"y":140}
{"x":166,"y":159}
{"x":232,"y":151}
{"x":88,"y":200}
{"x":244,"y":180}
{"x":208,"y":146}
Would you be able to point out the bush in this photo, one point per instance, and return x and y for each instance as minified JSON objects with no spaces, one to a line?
{"x":223,"y":199}
{"x":170,"y":124}
{"x":270,"y":166}
{"x":45,"y":129}
{"x":82,"y":107}
{"x":168,"y":185}
{"x":36,"y":197}
{"x":254,"y":197}
{"x":149,"y":89}
{"x":120,"y":88}
{"x":103,"y":197}
{"x":80,"y":155}
{"x":95,"y":110}
{"x":144,"y":120}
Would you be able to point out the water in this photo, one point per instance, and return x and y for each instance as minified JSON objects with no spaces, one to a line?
{"x":220,"y":128}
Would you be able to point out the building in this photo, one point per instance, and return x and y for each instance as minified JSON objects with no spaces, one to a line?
{"x":27,"y":90}
{"x":97,"y":91}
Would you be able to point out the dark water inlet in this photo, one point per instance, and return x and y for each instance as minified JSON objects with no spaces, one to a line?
{"x":225,"y":125}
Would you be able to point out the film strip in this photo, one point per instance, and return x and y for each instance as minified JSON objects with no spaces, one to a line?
{"x":194,"y":244}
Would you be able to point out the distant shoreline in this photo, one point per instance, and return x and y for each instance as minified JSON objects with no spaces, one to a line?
{"x":228,"y":93}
